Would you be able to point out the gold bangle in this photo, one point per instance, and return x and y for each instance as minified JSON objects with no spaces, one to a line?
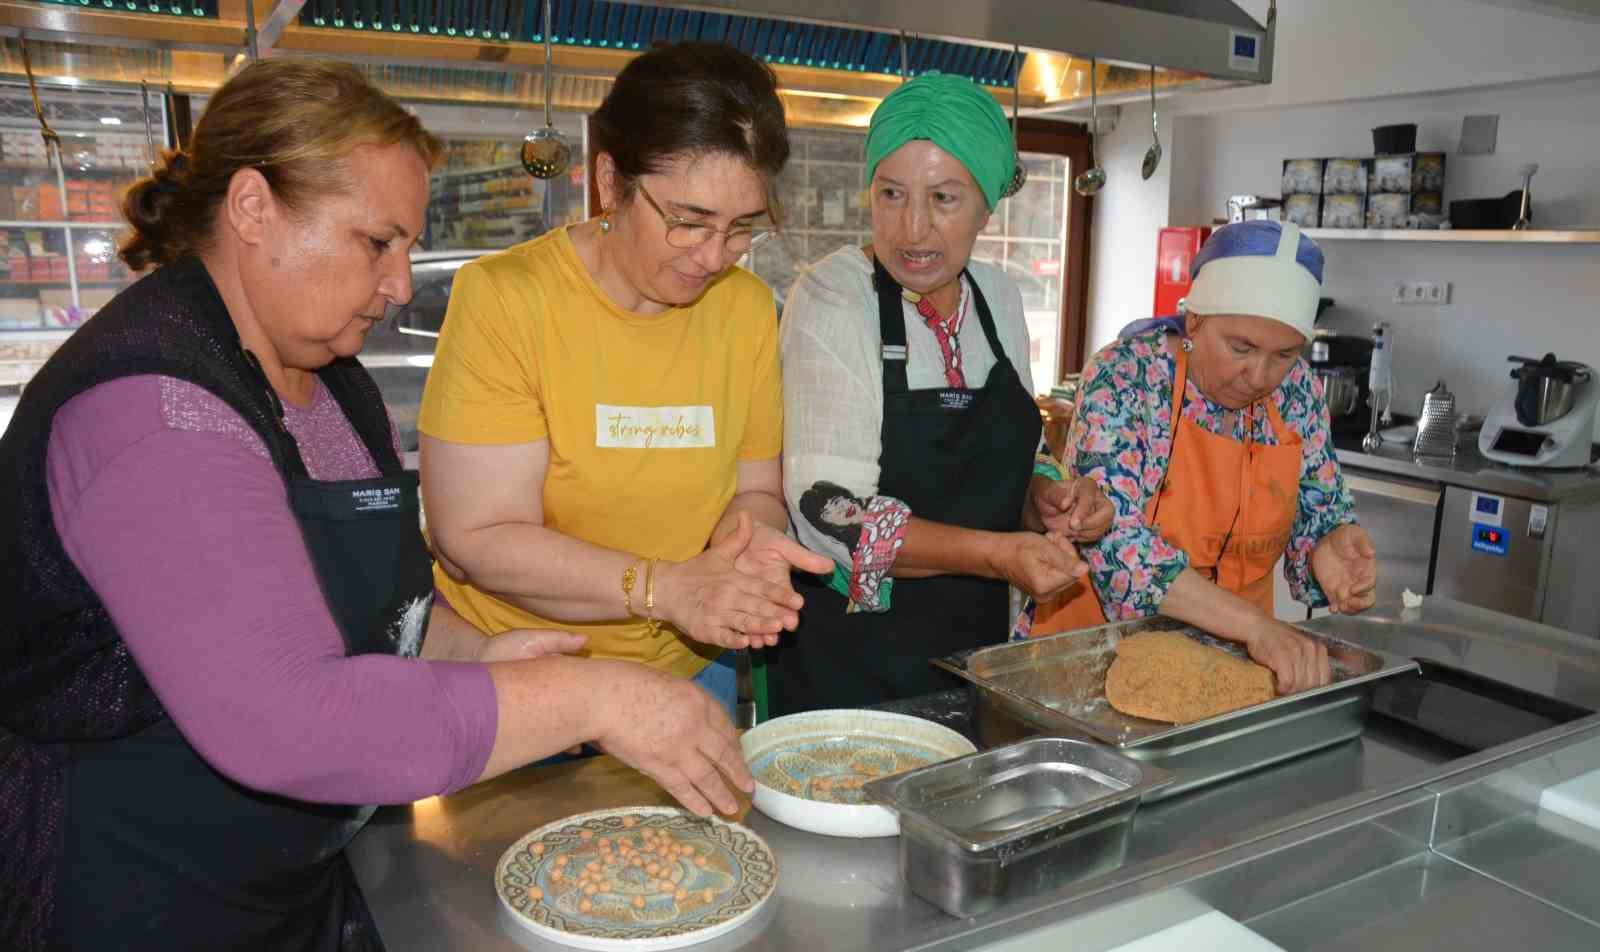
{"x":650,"y":595}
{"x":629,"y":577}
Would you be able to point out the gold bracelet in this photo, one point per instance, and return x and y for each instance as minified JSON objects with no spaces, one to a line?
{"x":628,"y":579}
{"x":650,"y":595}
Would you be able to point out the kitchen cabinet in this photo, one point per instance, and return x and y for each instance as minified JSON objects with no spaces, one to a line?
{"x":1517,"y":541}
{"x":1400,"y":514}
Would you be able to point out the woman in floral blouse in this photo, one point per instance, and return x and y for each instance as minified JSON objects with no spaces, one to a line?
{"x":1205,"y":509}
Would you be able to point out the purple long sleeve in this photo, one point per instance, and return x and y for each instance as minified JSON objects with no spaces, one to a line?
{"x":167,"y":504}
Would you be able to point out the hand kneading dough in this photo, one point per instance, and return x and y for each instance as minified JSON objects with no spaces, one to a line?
{"x":1167,"y":676}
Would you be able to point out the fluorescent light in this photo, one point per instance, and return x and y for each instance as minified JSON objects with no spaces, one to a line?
{"x":110,"y":121}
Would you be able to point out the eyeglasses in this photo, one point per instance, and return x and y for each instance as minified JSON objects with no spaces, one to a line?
{"x":688,"y":234}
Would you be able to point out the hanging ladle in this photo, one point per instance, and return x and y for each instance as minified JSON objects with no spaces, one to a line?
{"x":1019,"y":174}
{"x":544,"y":153}
{"x":1093,"y":178}
{"x":1152,"y":155}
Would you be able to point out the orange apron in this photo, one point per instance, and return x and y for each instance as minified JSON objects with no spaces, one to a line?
{"x":1230,"y":505}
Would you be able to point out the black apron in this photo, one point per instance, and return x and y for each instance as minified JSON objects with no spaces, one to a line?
{"x":162,"y":851}
{"x":961,"y":457}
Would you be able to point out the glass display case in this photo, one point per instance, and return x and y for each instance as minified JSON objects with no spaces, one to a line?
{"x":60,"y":215}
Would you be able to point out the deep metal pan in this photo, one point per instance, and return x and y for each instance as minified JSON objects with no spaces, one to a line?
{"x":1057,"y":683}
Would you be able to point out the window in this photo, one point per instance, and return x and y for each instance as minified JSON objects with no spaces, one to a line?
{"x":825,"y":198}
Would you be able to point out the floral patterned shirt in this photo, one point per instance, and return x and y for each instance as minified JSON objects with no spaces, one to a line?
{"x":1122,"y":436}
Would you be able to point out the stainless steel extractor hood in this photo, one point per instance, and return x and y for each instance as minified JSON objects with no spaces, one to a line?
{"x":1210,"y":37}
{"x":835,"y":59}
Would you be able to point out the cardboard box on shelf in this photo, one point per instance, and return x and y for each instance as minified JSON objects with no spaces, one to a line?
{"x":1404,"y":210}
{"x":1414,"y":172}
{"x":25,"y":203}
{"x":1344,"y":211}
{"x":1303,"y":210}
{"x":19,"y":312}
{"x":1345,"y":177}
{"x":50,"y":205}
{"x":1302,"y":176}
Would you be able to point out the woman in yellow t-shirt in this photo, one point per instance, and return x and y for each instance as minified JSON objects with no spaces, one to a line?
{"x":603,"y":420}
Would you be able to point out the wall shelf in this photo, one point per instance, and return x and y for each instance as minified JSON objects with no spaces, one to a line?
{"x":1532,"y":236}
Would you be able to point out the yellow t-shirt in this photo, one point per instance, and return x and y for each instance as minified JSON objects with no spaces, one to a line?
{"x":648,"y":417}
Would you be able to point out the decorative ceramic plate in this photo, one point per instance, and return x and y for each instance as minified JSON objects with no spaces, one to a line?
{"x":810,"y":767}
{"x":637,"y":878}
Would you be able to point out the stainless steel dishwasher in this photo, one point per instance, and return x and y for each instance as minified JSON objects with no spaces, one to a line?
{"x":1401,"y":515}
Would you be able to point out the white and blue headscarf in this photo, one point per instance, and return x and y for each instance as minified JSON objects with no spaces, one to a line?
{"x":1255,"y":268}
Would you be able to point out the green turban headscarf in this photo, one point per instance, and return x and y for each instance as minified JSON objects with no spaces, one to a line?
{"x":955,"y":114}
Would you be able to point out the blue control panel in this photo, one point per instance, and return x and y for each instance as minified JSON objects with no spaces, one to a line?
{"x":1490,"y":539}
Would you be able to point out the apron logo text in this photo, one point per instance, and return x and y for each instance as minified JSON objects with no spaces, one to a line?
{"x":382,"y":499}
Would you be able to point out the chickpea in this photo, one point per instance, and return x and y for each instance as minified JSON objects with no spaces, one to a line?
{"x":653,"y":869}
{"x":585,"y":835}
{"x":681,"y":895}
{"x":700,"y":861}
{"x":636,"y":861}
{"x":592,"y":867}
{"x":562,"y":859}
{"x":629,"y":822}
{"x":535,"y":893}
{"x":555,"y":875}
{"x":638,"y":902}
{"x":708,"y":895}
{"x":585,"y":905}
{"x":538,"y":849}
{"x":590,"y":889}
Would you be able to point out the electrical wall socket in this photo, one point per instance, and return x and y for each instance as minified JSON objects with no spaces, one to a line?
{"x":1422,"y":292}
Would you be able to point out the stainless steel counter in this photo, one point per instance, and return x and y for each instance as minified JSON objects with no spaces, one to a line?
{"x":426,"y":869}
{"x":1471,"y":470}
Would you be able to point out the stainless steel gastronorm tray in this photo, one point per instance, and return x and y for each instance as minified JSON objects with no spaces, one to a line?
{"x":1015,"y":819}
{"x":1057,"y":683}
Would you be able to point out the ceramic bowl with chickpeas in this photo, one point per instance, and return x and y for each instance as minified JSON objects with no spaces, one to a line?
{"x":636,"y":878}
{"x":810,"y":767}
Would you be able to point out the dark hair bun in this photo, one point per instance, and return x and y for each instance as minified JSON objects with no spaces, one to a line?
{"x":149,"y":206}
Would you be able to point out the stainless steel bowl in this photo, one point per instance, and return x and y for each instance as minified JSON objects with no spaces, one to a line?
{"x":1342,"y":386}
{"x":1547,"y":399}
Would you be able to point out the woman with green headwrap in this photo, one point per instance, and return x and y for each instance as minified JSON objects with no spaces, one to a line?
{"x":910,"y":431}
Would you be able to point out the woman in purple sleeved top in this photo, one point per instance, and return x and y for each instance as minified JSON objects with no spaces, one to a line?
{"x":219,"y":643}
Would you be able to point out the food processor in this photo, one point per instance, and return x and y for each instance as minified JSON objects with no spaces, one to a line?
{"x":1546,"y":418}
